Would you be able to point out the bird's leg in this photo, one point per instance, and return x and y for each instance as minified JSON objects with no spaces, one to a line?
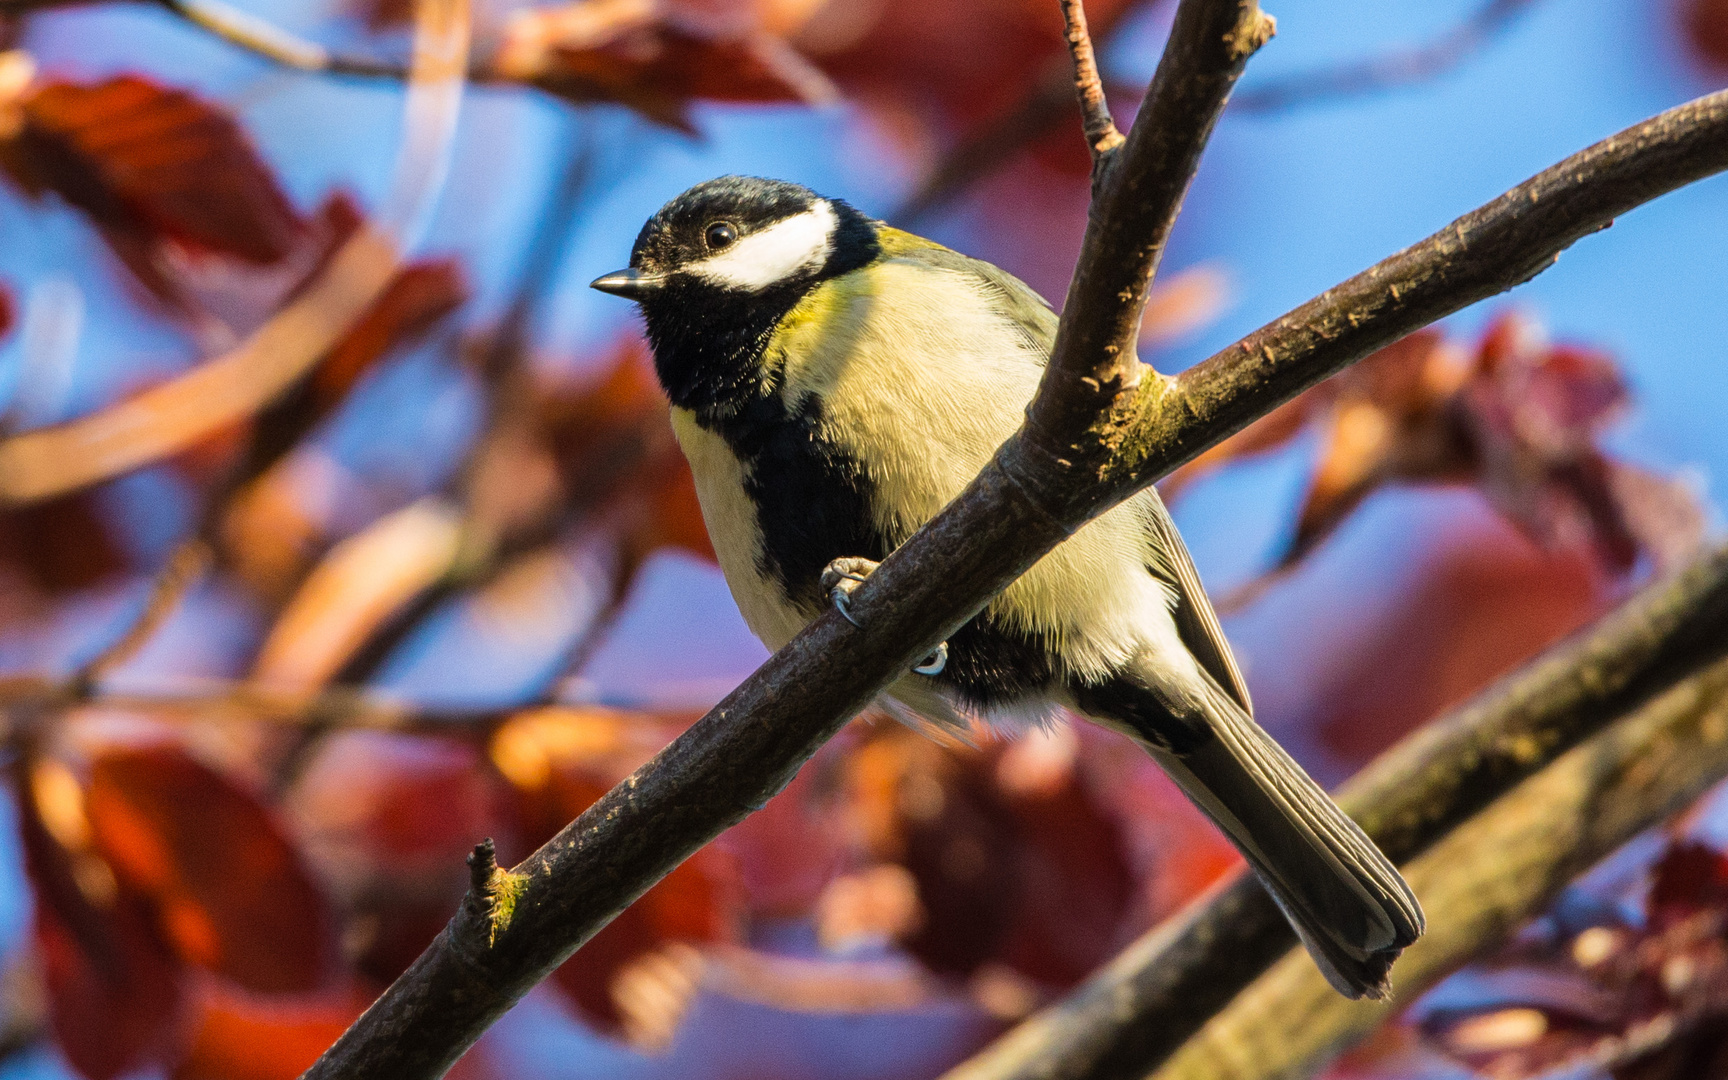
{"x":847,"y":573}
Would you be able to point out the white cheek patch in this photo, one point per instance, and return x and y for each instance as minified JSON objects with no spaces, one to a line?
{"x":774,"y":254}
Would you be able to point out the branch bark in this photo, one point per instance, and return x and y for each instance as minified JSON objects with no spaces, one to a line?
{"x":1068,"y":464}
{"x":750,"y":745}
{"x":1135,"y":1013}
{"x":1482,"y":882}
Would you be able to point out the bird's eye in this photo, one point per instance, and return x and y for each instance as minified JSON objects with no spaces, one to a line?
{"x":720,"y":234}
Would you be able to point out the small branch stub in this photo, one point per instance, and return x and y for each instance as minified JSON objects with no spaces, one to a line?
{"x":1101,"y":133}
{"x":492,"y":890}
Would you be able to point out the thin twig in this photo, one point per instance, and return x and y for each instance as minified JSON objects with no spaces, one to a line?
{"x":1101,"y":134}
{"x":184,"y":569}
{"x":1046,"y":103}
{"x":1135,"y":1013}
{"x":1410,"y":66}
{"x":1485,"y":880}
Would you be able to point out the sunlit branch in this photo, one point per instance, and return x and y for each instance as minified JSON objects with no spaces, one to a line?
{"x":1135,"y":1013}
{"x":1483,"y":881}
{"x":1095,"y":435}
{"x":746,"y":749}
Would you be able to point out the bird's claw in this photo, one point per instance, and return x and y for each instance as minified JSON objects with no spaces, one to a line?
{"x":840,"y":578}
{"x":844,"y":575}
{"x":935,"y":662}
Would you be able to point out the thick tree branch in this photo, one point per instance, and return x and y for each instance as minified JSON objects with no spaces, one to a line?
{"x":1142,"y":1007}
{"x":1043,"y":484}
{"x":1483,"y":881}
{"x":750,"y":745}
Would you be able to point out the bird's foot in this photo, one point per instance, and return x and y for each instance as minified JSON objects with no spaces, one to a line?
{"x":845,"y":574}
{"x":841,"y":577}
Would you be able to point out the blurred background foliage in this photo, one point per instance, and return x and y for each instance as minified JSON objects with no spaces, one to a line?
{"x":267,"y":686}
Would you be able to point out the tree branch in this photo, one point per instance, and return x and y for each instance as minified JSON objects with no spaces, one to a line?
{"x":1066,"y":465}
{"x":1482,"y":882}
{"x":1101,"y":134}
{"x":1139,"y":1010}
{"x":1407,"y":66}
{"x":750,"y":745}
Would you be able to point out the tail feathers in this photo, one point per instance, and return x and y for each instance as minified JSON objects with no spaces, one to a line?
{"x":1347,"y":902}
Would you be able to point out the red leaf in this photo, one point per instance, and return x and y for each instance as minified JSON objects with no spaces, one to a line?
{"x":1476,"y":609}
{"x":1015,"y":862}
{"x":62,"y":544}
{"x":237,"y":1036}
{"x":561,"y":761}
{"x":1705,"y":23}
{"x":145,"y":161}
{"x":1691,"y":877}
{"x":114,"y":986}
{"x":390,"y":819}
{"x":8,"y":310}
{"x":232,"y":894}
{"x":654,"y":56}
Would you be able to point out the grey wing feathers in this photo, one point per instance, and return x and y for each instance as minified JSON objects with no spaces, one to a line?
{"x":1196,"y":621}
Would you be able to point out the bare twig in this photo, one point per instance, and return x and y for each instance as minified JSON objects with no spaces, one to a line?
{"x":1136,"y":1012}
{"x":1396,"y":68}
{"x":1101,"y":134}
{"x":1046,"y":103}
{"x":184,"y":569}
{"x":1484,"y":880}
{"x":749,"y":747}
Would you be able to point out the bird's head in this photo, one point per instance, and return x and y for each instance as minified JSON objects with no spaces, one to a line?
{"x":743,"y":237}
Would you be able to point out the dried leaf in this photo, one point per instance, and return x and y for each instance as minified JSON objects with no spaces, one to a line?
{"x":231,"y":892}
{"x":655,"y":56}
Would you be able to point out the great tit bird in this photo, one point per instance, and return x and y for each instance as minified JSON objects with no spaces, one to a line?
{"x":834,"y":383}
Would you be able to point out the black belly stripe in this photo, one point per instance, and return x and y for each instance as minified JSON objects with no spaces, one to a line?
{"x":813,"y":504}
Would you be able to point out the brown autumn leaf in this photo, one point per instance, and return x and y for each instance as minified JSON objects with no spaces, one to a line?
{"x":115,"y":987}
{"x":231,"y":892}
{"x":560,"y":760}
{"x":150,"y":164}
{"x":656,"y":56}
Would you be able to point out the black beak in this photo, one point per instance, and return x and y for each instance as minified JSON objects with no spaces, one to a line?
{"x":630,"y":284}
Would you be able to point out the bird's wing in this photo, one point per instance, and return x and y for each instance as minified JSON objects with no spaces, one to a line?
{"x":1169,"y":560}
{"x":1019,"y":302}
{"x":1196,"y":622}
